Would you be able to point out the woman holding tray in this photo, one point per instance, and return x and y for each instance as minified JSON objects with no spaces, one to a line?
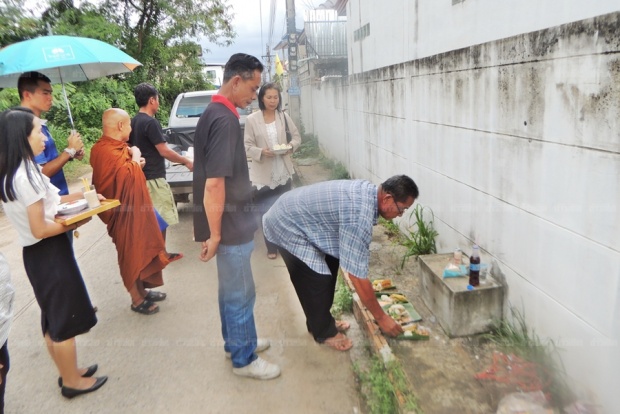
{"x":30,"y":202}
{"x":271,"y":173}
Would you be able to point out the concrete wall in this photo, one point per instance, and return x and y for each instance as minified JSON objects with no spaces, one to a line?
{"x":403,"y":30}
{"x":515,"y":144}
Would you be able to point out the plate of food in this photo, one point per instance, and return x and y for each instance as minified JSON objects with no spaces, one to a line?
{"x":390,"y":298}
{"x":406,"y":316}
{"x":280,"y":149}
{"x":379,"y":285}
{"x":72,"y":207}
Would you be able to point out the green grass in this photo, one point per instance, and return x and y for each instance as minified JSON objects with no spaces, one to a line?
{"x":513,"y":336}
{"x":391,"y":229}
{"x":379,"y":390}
{"x":337,"y":170}
{"x":343,"y":299}
{"x":309,"y":147}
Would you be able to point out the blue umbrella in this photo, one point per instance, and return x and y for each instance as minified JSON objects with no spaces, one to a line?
{"x":63,"y":59}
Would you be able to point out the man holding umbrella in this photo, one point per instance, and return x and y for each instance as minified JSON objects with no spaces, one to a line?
{"x":35,"y":93}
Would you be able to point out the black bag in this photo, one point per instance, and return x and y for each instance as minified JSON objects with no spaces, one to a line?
{"x":289,"y":137}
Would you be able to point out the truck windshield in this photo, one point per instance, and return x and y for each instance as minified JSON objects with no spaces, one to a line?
{"x":192,"y":106}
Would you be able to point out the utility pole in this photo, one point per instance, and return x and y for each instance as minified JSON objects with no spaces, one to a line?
{"x":293,"y":90}
{"x":267,"y":58}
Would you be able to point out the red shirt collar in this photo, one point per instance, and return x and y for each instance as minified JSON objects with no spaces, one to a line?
{"x":223,"y":100}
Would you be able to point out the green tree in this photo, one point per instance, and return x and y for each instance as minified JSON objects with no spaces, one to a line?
{"x":17,"y":22}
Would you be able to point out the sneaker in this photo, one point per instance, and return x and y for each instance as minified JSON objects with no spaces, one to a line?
{"x":261,"y":345}
{"x":258,"y":369}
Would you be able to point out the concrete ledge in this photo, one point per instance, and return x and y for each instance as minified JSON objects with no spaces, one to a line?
{"x":459,"y":311}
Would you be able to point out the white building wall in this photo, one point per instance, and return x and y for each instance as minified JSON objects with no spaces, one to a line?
{"x":515,"y":144}
{"x":403,"y":30}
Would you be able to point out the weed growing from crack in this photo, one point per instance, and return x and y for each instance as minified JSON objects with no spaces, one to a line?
{"x":381,"y":383}
{"x":343,"y":298}
{"x":421,"y":237}
{"x":512,"y":335}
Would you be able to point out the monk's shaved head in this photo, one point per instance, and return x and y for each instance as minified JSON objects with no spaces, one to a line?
{"x":116,"y":124}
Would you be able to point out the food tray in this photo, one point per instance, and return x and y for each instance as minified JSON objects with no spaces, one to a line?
{"x":68,"y":219}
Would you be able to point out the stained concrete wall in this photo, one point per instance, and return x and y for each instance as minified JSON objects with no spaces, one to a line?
{"x":404,"y":30}
{"x":515,"y":144}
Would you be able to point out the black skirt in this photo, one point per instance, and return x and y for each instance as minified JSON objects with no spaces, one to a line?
{"x":66,"y":310}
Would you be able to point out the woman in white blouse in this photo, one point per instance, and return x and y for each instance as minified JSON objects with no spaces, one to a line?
{"x":30,"y":202}
{"x":270,"y":173}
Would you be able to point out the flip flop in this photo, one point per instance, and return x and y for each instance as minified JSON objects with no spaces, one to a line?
{"x":173,"y":257}
{"x":145,"y":308}
{"x":155,"y":296}
{"x":338,"y":342}
{"x":342,"y":326}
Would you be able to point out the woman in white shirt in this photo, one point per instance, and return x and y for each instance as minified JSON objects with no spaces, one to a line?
{"x":30,"y":202}
{"x":270,"y":173}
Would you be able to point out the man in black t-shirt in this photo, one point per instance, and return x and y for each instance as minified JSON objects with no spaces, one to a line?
{"x":146,"y":134}
{"x":223,"y":218}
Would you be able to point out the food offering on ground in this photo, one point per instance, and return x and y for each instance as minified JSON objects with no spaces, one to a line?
{"x":402,"y":313}
{"x":382,"y":284}
{"x":415,"y":331}
{"x":390,"y":298}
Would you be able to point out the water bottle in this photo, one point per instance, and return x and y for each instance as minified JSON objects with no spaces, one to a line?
{"x":474,"y":266}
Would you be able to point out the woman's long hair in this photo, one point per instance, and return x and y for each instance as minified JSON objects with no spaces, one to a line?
{"x":16,"y":125}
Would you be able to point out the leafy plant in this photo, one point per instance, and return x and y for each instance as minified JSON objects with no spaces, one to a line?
{"x":309,"y":147}
{"x":343,"y":299}
{"x":380,"y":385}
{"x":391,"y":228}
{"x":337,"y":170}
{"x":421,"y":235}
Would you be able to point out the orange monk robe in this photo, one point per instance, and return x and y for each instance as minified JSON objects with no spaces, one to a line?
{"x":133,"y":225}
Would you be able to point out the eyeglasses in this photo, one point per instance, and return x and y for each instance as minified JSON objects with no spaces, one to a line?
{"x":400,"y":211}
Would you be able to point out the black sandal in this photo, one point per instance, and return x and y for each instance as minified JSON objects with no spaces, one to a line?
{"x":145,"y":308}
{"x":155,"y":296}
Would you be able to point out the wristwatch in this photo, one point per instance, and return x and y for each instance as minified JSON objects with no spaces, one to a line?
{"x":71,"y":152}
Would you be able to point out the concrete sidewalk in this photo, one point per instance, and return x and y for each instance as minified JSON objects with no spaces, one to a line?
{"x":173,"y":361}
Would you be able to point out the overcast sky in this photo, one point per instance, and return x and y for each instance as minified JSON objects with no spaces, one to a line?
{"x":247,"y":24}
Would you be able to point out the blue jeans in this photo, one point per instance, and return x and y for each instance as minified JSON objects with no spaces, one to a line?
{"x":237,"y":295}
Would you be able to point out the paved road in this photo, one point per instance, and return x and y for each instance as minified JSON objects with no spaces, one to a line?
{"x":173,"y":361}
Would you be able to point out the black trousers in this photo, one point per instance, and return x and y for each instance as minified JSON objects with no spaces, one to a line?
{"x":315,"y":292}
{"x":4,"y":360}
{"x":263,"y":200}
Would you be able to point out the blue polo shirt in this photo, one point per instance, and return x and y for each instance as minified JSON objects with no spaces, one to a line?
{"x":332,"y":217}
{"x":51,"y":153}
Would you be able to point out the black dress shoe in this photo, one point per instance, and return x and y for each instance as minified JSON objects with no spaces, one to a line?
{"x":90,"y":371}
{"x":72,"y":392}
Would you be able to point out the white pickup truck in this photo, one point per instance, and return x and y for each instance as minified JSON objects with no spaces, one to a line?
{"x":186,"y":111}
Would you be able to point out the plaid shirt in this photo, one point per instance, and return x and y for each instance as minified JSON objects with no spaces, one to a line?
{"x":333,"y":218}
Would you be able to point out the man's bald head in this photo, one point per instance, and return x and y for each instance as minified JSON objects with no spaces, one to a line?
{"x":116,"y":124}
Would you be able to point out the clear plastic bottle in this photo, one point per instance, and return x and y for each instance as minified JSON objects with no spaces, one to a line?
{"x":474,"y":266}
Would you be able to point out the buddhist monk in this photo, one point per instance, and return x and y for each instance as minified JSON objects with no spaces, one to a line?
{"x":117,"y":174}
